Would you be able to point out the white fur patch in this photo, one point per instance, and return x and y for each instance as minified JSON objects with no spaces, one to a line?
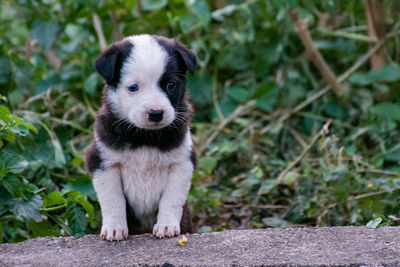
{"x":150,"y":180}
{"x":107,"y":184}
{"x":144,"y":67}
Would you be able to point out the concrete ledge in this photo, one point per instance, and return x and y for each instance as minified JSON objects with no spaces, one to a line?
{"x":344,"y":246}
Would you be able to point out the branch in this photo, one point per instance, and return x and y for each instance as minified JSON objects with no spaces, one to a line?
{"x":324,"y":130}
{"x":54,"y":60}
{"x":375,"y":14}
{"x":99,"y":31}
{"x":301,"y":27}
{"x":114,"y":21}
{"x":28,"y":48}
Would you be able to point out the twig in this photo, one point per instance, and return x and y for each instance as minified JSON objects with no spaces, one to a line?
{"x":53,"y":59}
{"x":114,"y":21}
{"x":269,"y":206}
{"x":322,"y":118}
{"x":54,"y":208}
{"x":238,"y":111}
{"x":240,"y":205}
{"x":375,"y":14}
{"x":298,"y":137}
{"x":380,"y":172}
{"x":353,"y":36}
{"x":301,"y":27}
{"x":324,"y":130}
{"x":99,"y":31}
{"x":215,"y":96}
{"x":28,"y":48}
{"x":366,"y":195}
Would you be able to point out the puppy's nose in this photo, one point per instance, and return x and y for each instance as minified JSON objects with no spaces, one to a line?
{"x":156,"y":115}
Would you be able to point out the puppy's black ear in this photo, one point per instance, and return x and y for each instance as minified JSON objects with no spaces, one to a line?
{"x":109,"y":64}
{"x":187,"y":55}
{"x":174,"y":47}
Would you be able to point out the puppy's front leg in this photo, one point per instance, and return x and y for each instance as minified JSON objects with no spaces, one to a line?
{"x":173,"y":199}
{"x":107,"y":184}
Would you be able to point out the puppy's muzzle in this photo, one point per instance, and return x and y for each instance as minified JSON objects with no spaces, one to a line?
{"x":156,"y":115}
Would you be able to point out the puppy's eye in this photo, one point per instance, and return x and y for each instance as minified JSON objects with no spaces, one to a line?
{"x":170,"y":86}
{"x":133,"y":88}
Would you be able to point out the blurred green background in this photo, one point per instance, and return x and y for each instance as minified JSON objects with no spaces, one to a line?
{"x":252,"y":74}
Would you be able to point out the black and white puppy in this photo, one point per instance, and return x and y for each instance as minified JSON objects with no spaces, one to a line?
{"x":142,"y":158}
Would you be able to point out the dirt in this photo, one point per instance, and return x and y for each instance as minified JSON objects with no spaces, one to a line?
{"x":328,"y":246}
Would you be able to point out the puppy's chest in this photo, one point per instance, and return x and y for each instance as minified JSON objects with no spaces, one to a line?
{"x":145,"y":173}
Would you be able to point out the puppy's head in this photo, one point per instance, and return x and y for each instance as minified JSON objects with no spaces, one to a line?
{"x":146,"y":79}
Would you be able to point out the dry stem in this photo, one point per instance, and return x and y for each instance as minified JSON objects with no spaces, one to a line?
{"x":114,"y":21}
{"x":99,"y":31}
{"x":375,"y":14}
{"x":301,"y":27}
{"x":324,"y":130}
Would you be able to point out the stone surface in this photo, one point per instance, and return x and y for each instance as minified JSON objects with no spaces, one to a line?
{"x":344,"y":246}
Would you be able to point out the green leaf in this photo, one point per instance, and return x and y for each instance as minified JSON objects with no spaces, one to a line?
{"x":373,"y":224}
{"x":222,"y":13}
{"x":14,"y":163}
{"x":238,"y":94}
{"x":53,"y":199}
{"x":45,"y":32}
{"x":5,"y":67}
{"x":388,"y":110}
{"x":88,"y":207}
{"x":76,"y":219}
{"x":150,"y":5}
{"x":267,"y":101}
{"x":263,"y":89}
{"x":267,"y":186}
{"x":91,"y":84}
{"x":200,"y":89}
{"x":389,"y":73}
{"x":4,"y":113}
{"x":43,"y":228}
{"x":359,"y":78}
{"x":227,"y":106}
{"x":12,"y":184}
{"x":201,"y":10}
{"x":274,"y":222}
{"x":207,"y":164}
{"x":290,"y":178}
{"x":28,"y":209}
{"x":59,"y":157}
{"x":83,"y":185}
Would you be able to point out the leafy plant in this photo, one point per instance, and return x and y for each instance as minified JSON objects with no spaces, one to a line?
{"x":254,"y":116}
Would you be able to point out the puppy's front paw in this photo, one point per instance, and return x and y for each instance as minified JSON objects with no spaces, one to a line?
{"x":115,"y":232}
{"x":161,"y":230}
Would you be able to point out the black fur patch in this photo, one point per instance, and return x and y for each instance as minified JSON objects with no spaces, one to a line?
{"x":193,"y":158}
{"x":93,"y":159}
{"x":134,"y":225}
{"x":178,"y":51}
{"x":109,"y":64}
{"x":118,"y":133}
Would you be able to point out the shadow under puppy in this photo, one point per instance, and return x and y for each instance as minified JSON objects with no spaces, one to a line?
{"x":142,"y":158}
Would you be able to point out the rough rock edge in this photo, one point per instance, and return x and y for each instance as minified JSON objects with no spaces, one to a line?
{"x":326,"y":246}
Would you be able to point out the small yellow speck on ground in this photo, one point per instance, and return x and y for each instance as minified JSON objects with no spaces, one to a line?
{"x":369,"y":185}
{"x":183,"y":240}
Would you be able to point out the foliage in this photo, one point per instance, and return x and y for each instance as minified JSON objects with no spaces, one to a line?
{"x":252,"y":71}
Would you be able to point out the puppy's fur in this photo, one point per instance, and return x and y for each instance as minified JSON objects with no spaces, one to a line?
{"x":142,"y":166}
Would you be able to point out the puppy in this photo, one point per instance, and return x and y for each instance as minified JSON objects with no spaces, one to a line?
{"x":142,"y":158}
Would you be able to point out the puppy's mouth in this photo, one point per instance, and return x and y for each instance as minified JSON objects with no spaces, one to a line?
{"x":154,"y":125}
